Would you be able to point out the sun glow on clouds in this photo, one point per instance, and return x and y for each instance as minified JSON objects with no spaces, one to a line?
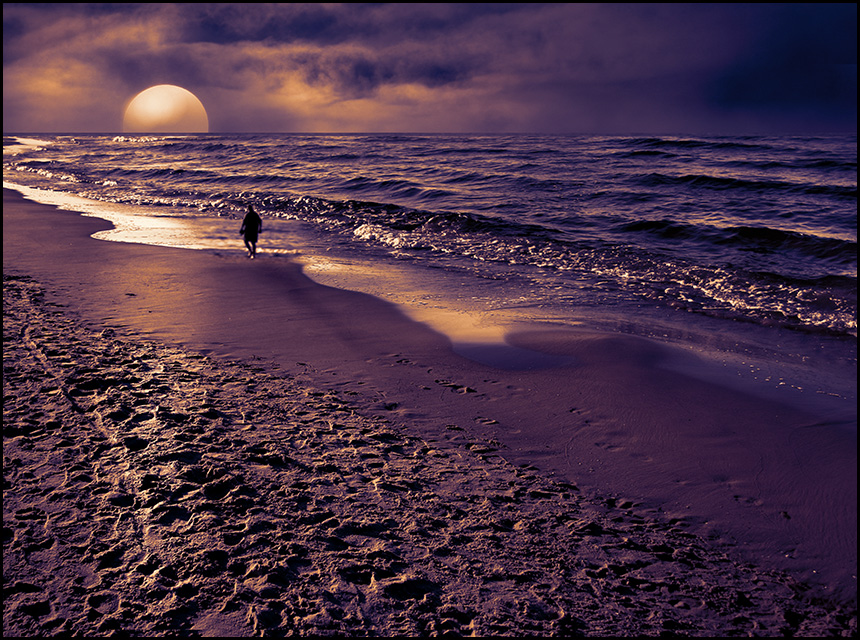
{"x":389,"y":109}
{"x":165,"y":108}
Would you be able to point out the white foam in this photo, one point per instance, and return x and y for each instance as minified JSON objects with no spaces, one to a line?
{"x":131,"y":223}
{"x":24,"y":145}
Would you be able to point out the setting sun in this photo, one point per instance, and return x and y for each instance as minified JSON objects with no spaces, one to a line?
{"x":165,"y":108}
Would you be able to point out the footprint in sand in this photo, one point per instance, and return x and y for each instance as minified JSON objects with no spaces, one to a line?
{"x":456,"y":388}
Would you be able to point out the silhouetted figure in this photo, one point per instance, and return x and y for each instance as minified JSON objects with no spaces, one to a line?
{"x":252,"y":225}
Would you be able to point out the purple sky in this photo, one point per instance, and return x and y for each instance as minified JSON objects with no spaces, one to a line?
{"x":460,"y":68}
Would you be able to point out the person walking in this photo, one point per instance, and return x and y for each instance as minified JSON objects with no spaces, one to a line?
{"x":252,"y":225}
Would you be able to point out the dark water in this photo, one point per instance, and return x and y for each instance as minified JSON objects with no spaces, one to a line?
{"x":735,"y":235}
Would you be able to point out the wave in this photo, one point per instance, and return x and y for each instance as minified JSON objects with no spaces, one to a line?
{"x":750,"y":238}
{"x":750,"y":143}
{"x":819,"y":304}
{"x":834,"y":166}
{"x":646,"y":153}
{"x":723,"y":183}
{"x":773,"y":240}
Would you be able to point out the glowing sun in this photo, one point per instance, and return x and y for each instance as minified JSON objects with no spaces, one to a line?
{"x":165,"y":108}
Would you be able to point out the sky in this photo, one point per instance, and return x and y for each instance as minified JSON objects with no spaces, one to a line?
{"x":606,"y":68}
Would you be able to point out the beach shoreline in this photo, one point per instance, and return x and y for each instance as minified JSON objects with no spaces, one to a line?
{"x":364,"y":356}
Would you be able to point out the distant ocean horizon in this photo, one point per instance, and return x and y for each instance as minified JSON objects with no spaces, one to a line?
{"x":741,"y":246}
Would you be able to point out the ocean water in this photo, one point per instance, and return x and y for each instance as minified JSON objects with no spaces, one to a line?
{"x":740,"y":250}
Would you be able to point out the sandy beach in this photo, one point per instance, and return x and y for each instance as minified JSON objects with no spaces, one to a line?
{"x":200,"y":444}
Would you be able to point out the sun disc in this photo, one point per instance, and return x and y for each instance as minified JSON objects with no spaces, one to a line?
{"x":165,"y":108}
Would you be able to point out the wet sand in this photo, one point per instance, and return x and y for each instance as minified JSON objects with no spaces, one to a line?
{"x":198,"y":443}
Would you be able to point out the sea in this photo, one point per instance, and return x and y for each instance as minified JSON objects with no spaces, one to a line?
{"x":740,"y":251}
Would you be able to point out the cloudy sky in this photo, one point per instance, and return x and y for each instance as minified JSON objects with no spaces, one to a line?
{"x":444,"y":67}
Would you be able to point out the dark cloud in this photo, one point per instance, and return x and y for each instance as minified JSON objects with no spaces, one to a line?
{"x":359,"y":74}
{"x":230,"y":23}
{"x":804,"y":61}
{"x":330,"y":24}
